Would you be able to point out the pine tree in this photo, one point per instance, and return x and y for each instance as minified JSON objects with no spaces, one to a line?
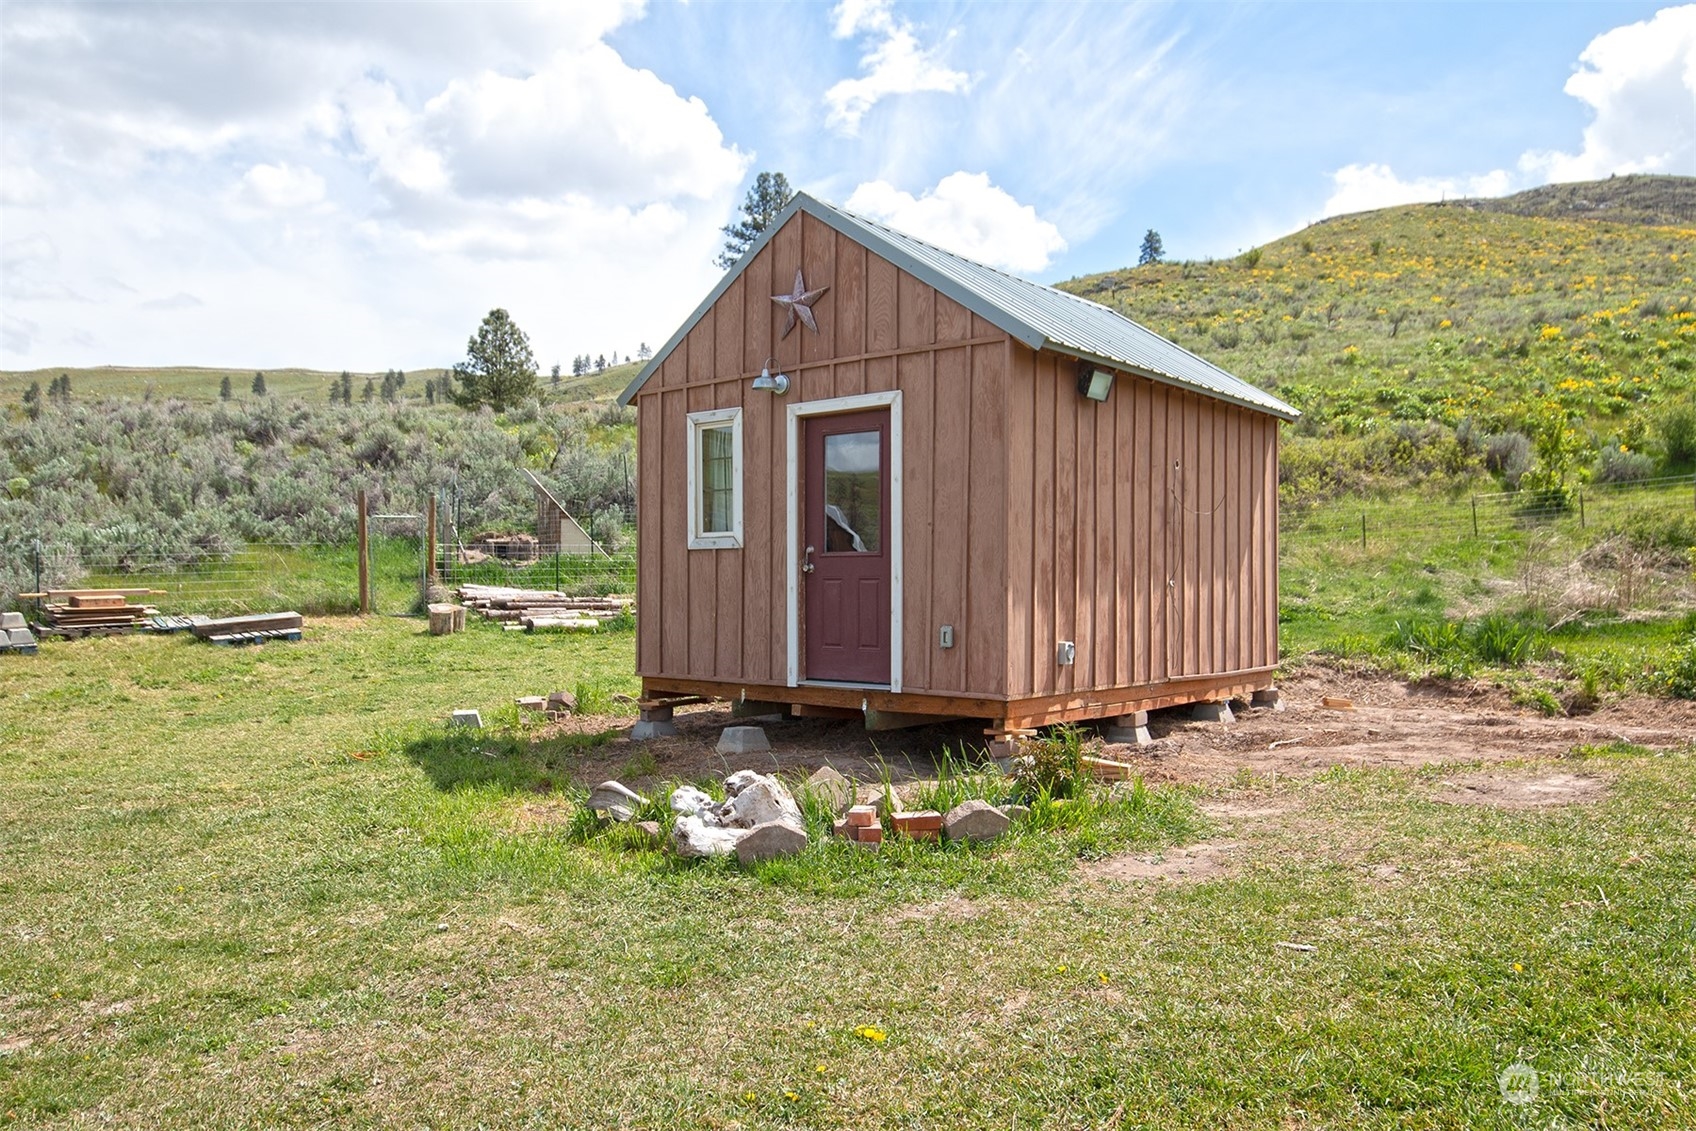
{"x":347,"y":388}
{"x":430,"y":391}
{"x":224,"y":390}
{"x":601,"y":363}
{"x":643,"y":353}
{"x":555,"y":375}
{"x":499,"y":370}
{"x":32,"y":400}
{"x":370,"y":393}
{"x":1153,"y":250}
{"x":768,"y":196}
{"x":335,"y":389}
{"x":259,"y":384}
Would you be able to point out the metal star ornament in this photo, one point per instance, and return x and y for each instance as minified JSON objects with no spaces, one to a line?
{"x":799,"y":305}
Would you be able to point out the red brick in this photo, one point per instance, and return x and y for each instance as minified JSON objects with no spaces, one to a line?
{"x":861,"y":816}
{"x":869,"y":834}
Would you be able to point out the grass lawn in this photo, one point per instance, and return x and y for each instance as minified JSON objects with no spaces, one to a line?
{"x":238,"y":889}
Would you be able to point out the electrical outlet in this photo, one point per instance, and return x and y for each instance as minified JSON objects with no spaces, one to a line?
{"x":1068,"y":653}
{"x":945,"y":638}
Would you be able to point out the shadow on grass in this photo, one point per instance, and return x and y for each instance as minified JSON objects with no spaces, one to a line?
{"x":462,"y":758}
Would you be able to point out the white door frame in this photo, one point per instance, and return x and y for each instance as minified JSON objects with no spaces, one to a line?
{"x":831,"y":407}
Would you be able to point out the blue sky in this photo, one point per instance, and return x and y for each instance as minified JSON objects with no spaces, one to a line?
{"x":355,"y":185}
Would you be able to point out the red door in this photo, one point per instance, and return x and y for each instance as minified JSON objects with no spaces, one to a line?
{"x":845,"y":560}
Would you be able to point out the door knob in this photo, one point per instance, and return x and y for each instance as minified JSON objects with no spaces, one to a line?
{"x":807,"y":561}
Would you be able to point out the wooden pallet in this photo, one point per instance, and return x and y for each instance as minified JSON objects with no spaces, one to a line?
{"x":238,"y":639}
{"x":82,"y":631}
{"x":173,"y":624}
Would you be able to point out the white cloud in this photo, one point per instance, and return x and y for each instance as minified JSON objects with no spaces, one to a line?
{"x":967,"y":215}
{"x":1361,"y":188}
{"x":345,"y":186}
{"x":894,"y":63}
{"x":282,"y":186}
{"x":1639,"y":80}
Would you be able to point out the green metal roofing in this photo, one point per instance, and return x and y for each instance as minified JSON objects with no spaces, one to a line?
{"x":1040,"y":317}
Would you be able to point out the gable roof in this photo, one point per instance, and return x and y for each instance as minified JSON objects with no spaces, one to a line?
{"x":1040,"y":317}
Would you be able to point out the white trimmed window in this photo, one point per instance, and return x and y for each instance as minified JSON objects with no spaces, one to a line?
{"x":715,"y":479}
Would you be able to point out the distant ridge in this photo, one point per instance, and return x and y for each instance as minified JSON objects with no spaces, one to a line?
{"x":1640,"y":198}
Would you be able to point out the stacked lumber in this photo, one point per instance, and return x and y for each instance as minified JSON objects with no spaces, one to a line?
{"x":531,"y":610}
{"x":232,"y":631}
{"x":74,"y":613}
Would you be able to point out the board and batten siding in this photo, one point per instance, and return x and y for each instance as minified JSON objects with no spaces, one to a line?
{"x":720,"y":615}
{"x":1143,"y":529}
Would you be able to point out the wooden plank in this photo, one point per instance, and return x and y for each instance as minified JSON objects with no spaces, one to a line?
{"x":984,"y":580}
{"x":850,"y":305}
{"x":229,"y":625}
{"x":1044,"y":592}
{"x":757,"y":310}
{"x":650,"y":557}
{"x":1021,"y":413}
{"x":1124,"y":551}
{"x":950,"y":522}
{"x":727,"y":601}
{"x":728,"y":327}
{"x":818,"y":250}
{"x":762,"y":591}
{"x":919,"y":624}
{"x":953,"y":321}
{"x":1104,"y":671}
{"x":882,"y":287}
{"x":674,"y":536}
{"x":915,"y":311}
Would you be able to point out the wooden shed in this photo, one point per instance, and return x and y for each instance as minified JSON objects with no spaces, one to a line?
{"x":880,"y":477}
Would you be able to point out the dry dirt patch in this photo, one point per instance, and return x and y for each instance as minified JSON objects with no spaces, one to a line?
{"x":1191,"y":864}
{"x":1502,"y":792}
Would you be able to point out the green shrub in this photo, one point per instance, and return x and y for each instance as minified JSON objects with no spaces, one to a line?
{"x":1617,"y":465}
{"x":1676,"y":427}
{"x":1052,"y":766}
{"x":1504,"y":640}
{"x":1679,"y":676}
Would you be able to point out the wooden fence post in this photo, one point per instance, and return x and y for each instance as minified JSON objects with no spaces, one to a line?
{"x":364,"y":556}
{"x":1475,"y":516}
{"x":1363,"y":530}
{"x":430,"y":539}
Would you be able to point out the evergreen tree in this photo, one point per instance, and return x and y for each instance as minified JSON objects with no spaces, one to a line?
{"x":768,"y":196}
{"x":643,"y":353}
{"x":32,"y":400}
{"x":1153,"y":250}
{"x":347,"y":388}
{"x":335,"y":389}
{"x":430,"y":391}
{"x":370,"y":389}
{"x":601,"y":363}
{"x":224,"y":390}
{"x":499,"y":370}
{"x":259,"y":384}
{"x":555,"y":375}
{"x":578,"y":365}
{"x":390,"y":389}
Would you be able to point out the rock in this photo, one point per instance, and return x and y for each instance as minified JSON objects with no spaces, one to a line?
{"x":743,"y":740}
{"x":691,"y":802}
{"x":770,"y":840}
{"x":616,"y":800}
{"x":650,"y":830}
{"x":757,"y":799}
{"x":562,"y":701}
{"x":974,"y":820}
{"x":693,"y":838}
{"x":832,"y":788}
{"x":886,"y":799}
{"x":1016,"y":812}
{"x":472,"y":719}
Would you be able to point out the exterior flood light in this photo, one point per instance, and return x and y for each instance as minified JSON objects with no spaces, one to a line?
{"x":1094,"y":383}
{"x":772,"y":382}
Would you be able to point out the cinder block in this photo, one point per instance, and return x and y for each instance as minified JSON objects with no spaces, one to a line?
{"x":743,"y":740}
{"x":1131,"y":729}
{"x":472,"y":719}
{"x":1212,"y":713}
{"x":9,"y":621}
{"x":657,"y":728}
{"x":1268,"y":697}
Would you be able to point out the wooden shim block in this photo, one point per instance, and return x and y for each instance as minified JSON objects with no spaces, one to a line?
{"x":98,"y":601}
{"x":1108,"y":770}
{"x":1337,"y":703}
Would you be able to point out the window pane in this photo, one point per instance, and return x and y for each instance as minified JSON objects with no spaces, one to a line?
{"x":853,"y":491}
{"x":718,"y":485}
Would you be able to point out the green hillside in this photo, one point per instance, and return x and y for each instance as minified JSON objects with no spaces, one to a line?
{"x":1436,"y":343}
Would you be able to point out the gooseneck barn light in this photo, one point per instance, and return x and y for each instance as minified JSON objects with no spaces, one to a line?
{"x":772,"y":382}
{"x":1094,"y":383}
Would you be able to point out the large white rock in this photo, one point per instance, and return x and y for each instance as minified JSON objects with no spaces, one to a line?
{"x":689,"y":801}
{"x":693,"y":837}
{"x":757,"y":799}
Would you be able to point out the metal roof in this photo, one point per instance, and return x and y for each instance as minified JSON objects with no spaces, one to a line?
{"x":1040,"y":317}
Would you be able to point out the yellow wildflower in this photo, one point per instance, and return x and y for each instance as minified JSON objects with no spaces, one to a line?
{"x":871,"y":1033}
